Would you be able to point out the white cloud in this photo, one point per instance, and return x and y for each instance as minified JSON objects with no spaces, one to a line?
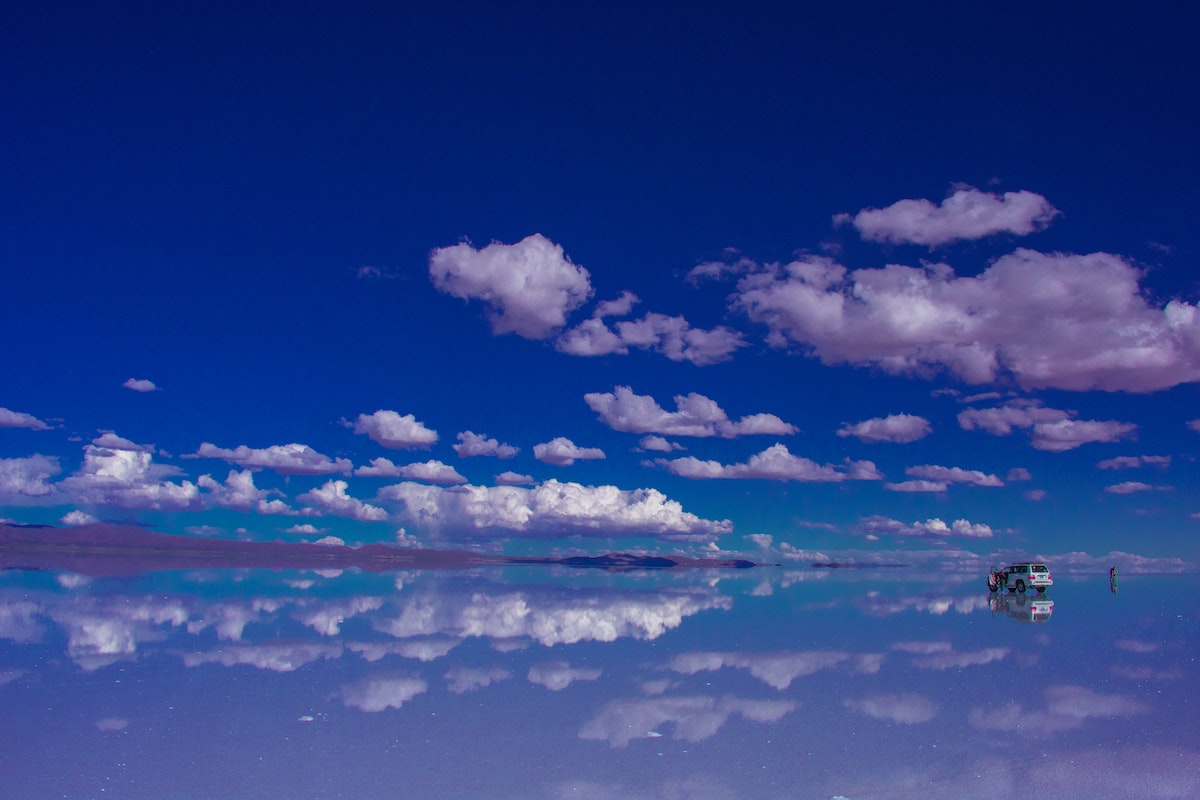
{"x":550,"y":509}
{"x":1194,"y":425}
{"x":558,"y":675}
{"x":77,"y":517}
{"x":899,"y":428}
{"x":239,"y":493}
{"x":931,"y":528}
{"x":1065,"y":708}
{"x":18,"y":419}
{"x":1129,"y":487}
{"x":510,"y":478}
{"x":953,"y":660}
{"x":954,"y":475}
{"x":379,"y":468}
{"x":1019,"y":474}
{"x":907,"y":709}
{"x":777,"y":670}
{"x":326,"y":618}
{"x":966,"y":214}
{"x":421,"y":649}
{"x":616,"y":308}
{"x":122,"y":473}
{"x":140,"y":385}
{"x":286,"y":459}
{"x":382,"y":692}
{"x":1051,"y":320}
{"x":548,"y":617}
{"x":529,"y":287}
{"x":1051,"y":429}
{"x":1068,"y":434}
{"x":393,"y":431}
{"x":1130,"y":462}
{"x":917,"y":486}
{"x":477,"y":444}
{"x":693,"y":718}
{"x":432,"y":472}
{"x":672,"y":337}
{"x":28,"y":477}
{"x":277,"y":657}
{"x":332,"y":498}
{"x":659,"y":444}
{"x":305,"y":530}
{"x":695,"y":415}
{"x":461,"y":680}
{"x":775,"y":463}
{"x":563,"y":452}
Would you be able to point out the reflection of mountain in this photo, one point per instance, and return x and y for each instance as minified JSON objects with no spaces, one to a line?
{"x":1021,"y":607}
{"x":110,"y":550}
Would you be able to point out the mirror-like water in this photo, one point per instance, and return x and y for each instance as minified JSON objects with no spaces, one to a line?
{"x":549,"y":683}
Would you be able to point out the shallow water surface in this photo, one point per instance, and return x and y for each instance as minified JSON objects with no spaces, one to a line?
{"x":556,"y":683}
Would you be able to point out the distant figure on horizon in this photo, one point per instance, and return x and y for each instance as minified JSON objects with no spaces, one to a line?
{"x":1112,"y":580}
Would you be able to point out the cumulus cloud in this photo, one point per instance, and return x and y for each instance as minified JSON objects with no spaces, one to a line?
{"x":1194,"y":425}
{"x":1050,"y":428}
{"x":239,"y":492}
{"x":550,"y":509}
{"x":563,"y":452}
{"x":775,"y":463}
{"x":558,"y":675}
{"x":528,"y":288}
{"x":28,"y":477}
{"x":777,"y":670}
{"x":966,"y":214}
{"x":275,"y":657}
{"x":19,"y":419}
{"x":121,"y":473}
{"x":140,"y":385}
{"x":332,"y":499}
{"x":432,"y":471}
{"x":1051,"y":320}
{"x":1131,"y":462}
{"x":899,"y":428}
{"x":477,"y":444}
{"x":670,"y":336}
{"x":1065,"y":708}
{"x":954,"y":475}
{"x":917,"y":486}
{"x":77,"y":517}
{"x":954,"y":660}
{"x":693,"y":718}
{"x":659,"y":444}
{"x":931,"y":528}
{"x":461,"y":680}
{"x":382,"y":692}
{"x":286,"y":459}
{"x":907,"y":709}
{"x":511,"y":478}
{"x":1129,"y":487}
{"x":547,"y":616}
{"x":396,"y":432}
{"x":695,"y":415}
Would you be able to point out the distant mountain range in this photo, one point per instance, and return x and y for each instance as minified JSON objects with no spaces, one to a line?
{"x":102,"y":549}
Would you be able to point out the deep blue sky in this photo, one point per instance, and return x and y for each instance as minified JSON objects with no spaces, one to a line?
{"x":242,"y":204}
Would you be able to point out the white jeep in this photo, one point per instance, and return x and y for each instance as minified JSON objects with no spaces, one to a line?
{"x":1020,"y":576}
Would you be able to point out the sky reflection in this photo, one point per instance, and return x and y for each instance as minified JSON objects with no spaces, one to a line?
{"x":502,"y":683}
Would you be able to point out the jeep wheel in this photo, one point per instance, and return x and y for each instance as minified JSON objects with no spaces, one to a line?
{"x":1021,"y":587}
{"x":1041,"y":589}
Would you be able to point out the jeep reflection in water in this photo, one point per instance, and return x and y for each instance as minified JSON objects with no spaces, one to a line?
{"x":1021,"y":608}
{"x":1019,"y":577}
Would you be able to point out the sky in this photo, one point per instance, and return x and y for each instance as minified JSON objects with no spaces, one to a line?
{"x":870,"y":281}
